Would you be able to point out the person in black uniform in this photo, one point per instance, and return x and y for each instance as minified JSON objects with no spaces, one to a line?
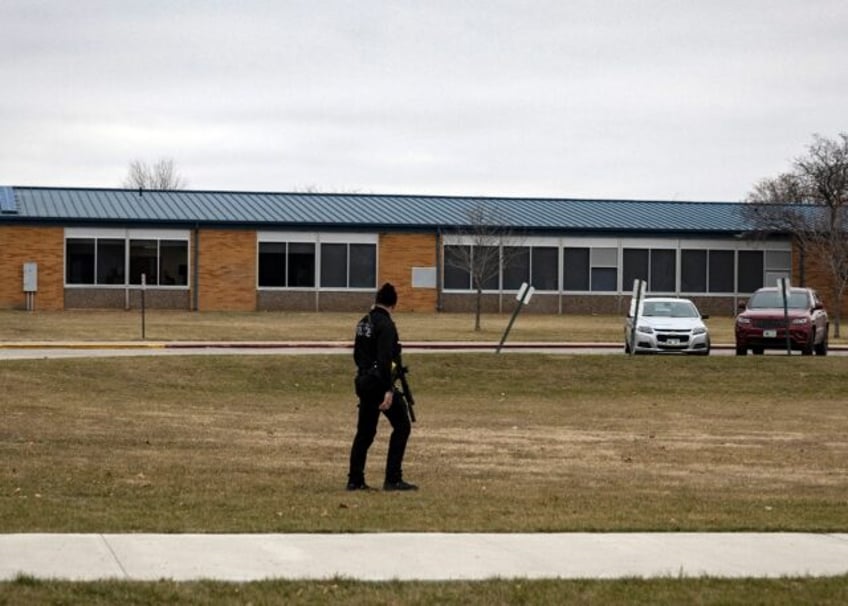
{"x":375,"y":349}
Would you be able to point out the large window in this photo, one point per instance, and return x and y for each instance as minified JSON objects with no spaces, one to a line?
{"x":310,"y":260}
{"x":348,"y":265}
{"x":104,"y":259}
{"x":657,"y":266}
{"x":286,"y":264}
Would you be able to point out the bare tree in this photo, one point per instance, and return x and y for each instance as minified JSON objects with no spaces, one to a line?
{"x":811,"y":202}
{"x":162,"y":175}
{"x":490,"y":248}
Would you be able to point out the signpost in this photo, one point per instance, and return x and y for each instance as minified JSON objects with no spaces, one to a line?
{"x":783,"y":286}
{"x":523,"y":297}
{"x":639,"y":287}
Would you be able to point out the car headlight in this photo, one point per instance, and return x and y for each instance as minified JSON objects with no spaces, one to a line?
{"x":699,"y":330}
{"x":647,"y":330}
{"x":801,"y":321}
{"x":743,"y":320}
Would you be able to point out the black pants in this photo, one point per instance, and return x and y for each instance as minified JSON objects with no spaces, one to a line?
{"x":366,"y":429}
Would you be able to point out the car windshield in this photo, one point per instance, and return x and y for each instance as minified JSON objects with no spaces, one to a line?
{"x":669,"y":309}
{"x":772,"y":299}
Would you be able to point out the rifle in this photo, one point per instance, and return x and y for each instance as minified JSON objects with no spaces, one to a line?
{"x":405,"y":391}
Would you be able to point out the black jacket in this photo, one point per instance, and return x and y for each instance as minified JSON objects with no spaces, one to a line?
{"x":376,"y":345}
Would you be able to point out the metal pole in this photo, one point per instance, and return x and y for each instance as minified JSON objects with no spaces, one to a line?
{"x":143,"y":284}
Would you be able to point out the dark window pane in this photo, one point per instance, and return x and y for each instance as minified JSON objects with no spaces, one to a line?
{"x":750,"y":270}
{"x":635,"y":266}
{"x":79,"y":261}
{"x":457,"y":266}
{"x":334,"y":265}
{"x":301,"y":264}
{"x":363,"y":266}
{"x":545,"y":261}
{"x":663,"y":271}
{"x":516,"y":267}
{"x":143,"y":261}
{"x":721,"y":270}
{"x":110,"y":261}
{"x":486,"y":265}
{"x":575,"y":267}
{"x":693,"y":271}
{"x":604,"y":279}
{"x":272,"y":264}
{"x":173,"y":262}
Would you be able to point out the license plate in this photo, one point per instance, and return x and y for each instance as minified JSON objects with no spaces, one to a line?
{"x":673,"y":341}
{"x":769,"y":334}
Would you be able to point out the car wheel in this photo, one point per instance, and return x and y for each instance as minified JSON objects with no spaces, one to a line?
{"x":821,"y":348}
{"x":757,"y":351}
{"x":807,"y":350}
{"x":741,"y":351}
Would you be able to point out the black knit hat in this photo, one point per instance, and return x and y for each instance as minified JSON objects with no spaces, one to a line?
{"x":387,"y":295}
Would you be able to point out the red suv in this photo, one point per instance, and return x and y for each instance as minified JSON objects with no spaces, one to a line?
{"x":762,"y":324}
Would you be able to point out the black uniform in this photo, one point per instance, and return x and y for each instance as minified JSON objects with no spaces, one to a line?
{"x":375,"y":348}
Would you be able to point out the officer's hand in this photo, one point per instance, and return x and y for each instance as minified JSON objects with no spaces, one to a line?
{"x":387,"y":401}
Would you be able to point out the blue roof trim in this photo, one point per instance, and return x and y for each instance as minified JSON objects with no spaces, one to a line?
{"x":7,"y":200}
{"x":369,"y":211}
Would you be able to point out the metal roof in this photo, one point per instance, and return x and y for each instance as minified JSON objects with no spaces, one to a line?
{"x":355,"y":211}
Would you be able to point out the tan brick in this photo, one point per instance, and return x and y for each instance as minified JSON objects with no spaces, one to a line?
{"x":41,"y":245}
{"x":227,"y":270}
{"x":399,"y":253}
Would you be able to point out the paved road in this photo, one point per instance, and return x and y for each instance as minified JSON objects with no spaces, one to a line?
{"x":11,"y":351}
{"x":421,"y":556}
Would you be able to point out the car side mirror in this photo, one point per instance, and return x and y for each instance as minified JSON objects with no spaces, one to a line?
{"x":740,"y":307}
{"x":818,"y":306}
{"x":705,"y":317}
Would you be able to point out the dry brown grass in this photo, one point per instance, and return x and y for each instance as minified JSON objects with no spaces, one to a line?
{"x":282,"y":326}
{"x":517,"y":442}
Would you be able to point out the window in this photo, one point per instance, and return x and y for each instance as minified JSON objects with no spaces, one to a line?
{"x":635,"y":266}
{"x":286,"y":264}
{"x":310,"y":260}
{"x":778,"y":265}
{"x":750,"y":270}
{"x":348,"y":265}
{"x":604,"y":269}
{"x":457,"y":274}
{"x":109,"y":260}
{"x":173,"y":263}
{"x":79,"y":261}
{"x":663,"y":271}
{"x":272,"y":264}
{"x":721,"y":270}
{"x":575,"y":269}
{"x":658,"y":267}
{"x":693,"y":271}
{"x":517,"y":270}
{"x":544,"y":261}
{"x":143,"y":261}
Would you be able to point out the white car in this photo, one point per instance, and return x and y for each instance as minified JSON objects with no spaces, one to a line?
{"x":667,"y":325}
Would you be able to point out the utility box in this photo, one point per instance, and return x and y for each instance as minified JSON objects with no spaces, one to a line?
{"x":30,"y":277}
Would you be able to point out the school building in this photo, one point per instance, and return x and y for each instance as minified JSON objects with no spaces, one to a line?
{"x":76,"y":248}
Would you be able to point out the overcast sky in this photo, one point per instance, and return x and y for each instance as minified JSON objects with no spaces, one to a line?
{"x":637,"y":99}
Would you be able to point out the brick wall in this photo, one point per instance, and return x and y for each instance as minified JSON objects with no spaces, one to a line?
{"x":399,"y":253}
{"x":816,"y":275}
{"x":227,"y":270}
{"x":41,"y":245}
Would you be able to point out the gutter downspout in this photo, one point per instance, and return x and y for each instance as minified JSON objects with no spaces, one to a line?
{"x":195,"y":261}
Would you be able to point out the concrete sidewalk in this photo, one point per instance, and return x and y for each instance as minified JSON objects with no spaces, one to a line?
{"x":420,"y":556}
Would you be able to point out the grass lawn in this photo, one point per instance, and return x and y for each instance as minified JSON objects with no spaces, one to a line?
{"x":282,"y":326}
{"x":516,"y":442}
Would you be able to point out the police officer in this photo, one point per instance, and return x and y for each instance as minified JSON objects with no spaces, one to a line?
{"x":376,"y":347}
